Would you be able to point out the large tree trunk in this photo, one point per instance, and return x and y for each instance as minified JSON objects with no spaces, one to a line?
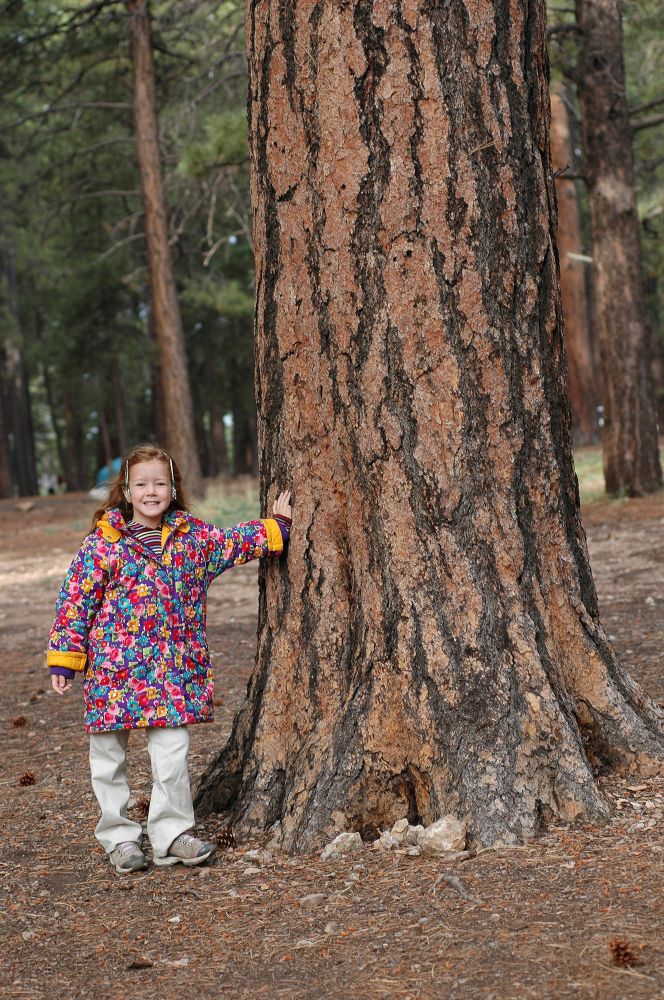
{"x":432,"y":642}
{"x":631,"y":455}
{"x":581,"y":385}
{"x":175,"y":393}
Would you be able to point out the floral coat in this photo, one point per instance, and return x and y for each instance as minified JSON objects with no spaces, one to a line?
{"x":135,"y":623}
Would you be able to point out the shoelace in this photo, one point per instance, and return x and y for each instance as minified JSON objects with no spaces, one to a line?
{"x":187,"y":838}
{"x":126,"y":847}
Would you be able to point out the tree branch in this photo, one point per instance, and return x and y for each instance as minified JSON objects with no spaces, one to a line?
{"x":648,"y":123}
{"x":646,"y":107}
{"x":78,"y":105}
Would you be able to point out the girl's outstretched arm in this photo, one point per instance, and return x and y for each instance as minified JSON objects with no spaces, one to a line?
{"x":227,"y":547}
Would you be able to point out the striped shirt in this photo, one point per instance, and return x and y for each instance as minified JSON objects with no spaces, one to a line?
{"x":149,"y":536}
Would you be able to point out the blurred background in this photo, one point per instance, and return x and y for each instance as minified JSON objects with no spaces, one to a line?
{"x":79,"y":353}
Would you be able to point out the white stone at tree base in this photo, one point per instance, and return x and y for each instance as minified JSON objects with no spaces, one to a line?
{"x":446,"y":834}
{"x":445,"y":837}
{"x":344,"y":843}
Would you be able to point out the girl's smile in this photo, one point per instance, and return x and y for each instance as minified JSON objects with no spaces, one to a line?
{"x":150,"y":491}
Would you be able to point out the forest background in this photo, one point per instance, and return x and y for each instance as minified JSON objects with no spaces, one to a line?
{"x":78,"y":358}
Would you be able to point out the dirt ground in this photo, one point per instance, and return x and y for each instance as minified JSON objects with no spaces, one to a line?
{"x":549,"y":920}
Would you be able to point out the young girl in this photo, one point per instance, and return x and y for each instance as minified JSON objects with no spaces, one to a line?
{"x":131,"y":617}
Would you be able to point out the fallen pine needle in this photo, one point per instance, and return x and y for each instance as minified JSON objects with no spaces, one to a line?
{"x":628,"y":972}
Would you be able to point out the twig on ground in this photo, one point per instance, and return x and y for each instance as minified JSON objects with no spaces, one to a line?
{"x":457,"y":884}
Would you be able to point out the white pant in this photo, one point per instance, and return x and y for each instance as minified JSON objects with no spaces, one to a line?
{"x":171,"y":807}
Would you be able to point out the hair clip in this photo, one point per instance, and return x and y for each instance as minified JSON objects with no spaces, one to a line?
{"x":174,"y":491}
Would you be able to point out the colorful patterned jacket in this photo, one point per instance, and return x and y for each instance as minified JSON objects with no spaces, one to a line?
{"x":135,"y":623}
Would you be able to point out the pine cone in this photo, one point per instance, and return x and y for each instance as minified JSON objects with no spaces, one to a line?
{"x":621,"y":952}
{"x":20,"y":720}
{"x":226,"y":837}
{"x":27,"y":779}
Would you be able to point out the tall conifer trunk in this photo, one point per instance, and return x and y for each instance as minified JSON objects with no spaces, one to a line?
{"x":581,"y":381}
{"x":173,"y":378}
{"x":631,"y":455}
{"x":431,"y":643}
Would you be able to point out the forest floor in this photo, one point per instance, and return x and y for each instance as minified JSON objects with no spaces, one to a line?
{"x":552,"y":919}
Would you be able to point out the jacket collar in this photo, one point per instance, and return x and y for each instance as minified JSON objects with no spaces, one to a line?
{"x":113,"y":525}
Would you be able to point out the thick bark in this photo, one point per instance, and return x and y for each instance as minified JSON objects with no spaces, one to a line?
{"x":174,"y":389}
{"x":432,"y":642}
{"x":631,"y":456}
{"x":581,"y":387}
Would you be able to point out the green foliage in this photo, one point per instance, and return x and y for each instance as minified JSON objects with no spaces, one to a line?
{"x":71,"y":215}
{"x":643,"y":37}
{"x":225,"y":143}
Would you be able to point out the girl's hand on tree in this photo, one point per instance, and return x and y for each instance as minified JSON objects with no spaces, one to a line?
{"x":282,"y":504}
{"x":60,"y":683}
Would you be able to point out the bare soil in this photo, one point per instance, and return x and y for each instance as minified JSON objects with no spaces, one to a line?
{"x":577,"y":913}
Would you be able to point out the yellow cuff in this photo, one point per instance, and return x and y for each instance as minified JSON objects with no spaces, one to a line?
{"x":75,"y":661}
{"x":275,"y":542}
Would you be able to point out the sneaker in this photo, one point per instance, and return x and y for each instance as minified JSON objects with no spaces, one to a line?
{"x":188,"y":849}
{"x":127,"y":857}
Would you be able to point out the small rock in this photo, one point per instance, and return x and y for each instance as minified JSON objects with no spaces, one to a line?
{"x":400,"y":827}
{"x":304,"y":943}
{"x":175,"y":920}
{"x":252,"y":854}
{"x":203,"y":872}
{"x":446,"y":834}
{"x":26,"y":935}
{"x":313,"y":899}
{"x":331,"y":927}
{"x":344,"y":843}
{"x":141,"y":963}
{"x":411,"y":835}
{"x":251,"y":870}
{"x":386,"y":842}
{"x":414,"y":852}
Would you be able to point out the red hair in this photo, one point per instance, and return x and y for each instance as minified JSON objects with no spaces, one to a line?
{"x":116,"y":499}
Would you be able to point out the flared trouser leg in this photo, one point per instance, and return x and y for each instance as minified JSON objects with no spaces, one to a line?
{"x":171,"y":806}
{"x":108,"y":773}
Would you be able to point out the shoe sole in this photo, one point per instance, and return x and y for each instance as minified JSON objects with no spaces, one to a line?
{"x":170,"y":859}
{"x":130,"y":871}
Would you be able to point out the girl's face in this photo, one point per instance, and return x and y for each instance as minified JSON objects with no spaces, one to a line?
{"x":150,"y":488}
